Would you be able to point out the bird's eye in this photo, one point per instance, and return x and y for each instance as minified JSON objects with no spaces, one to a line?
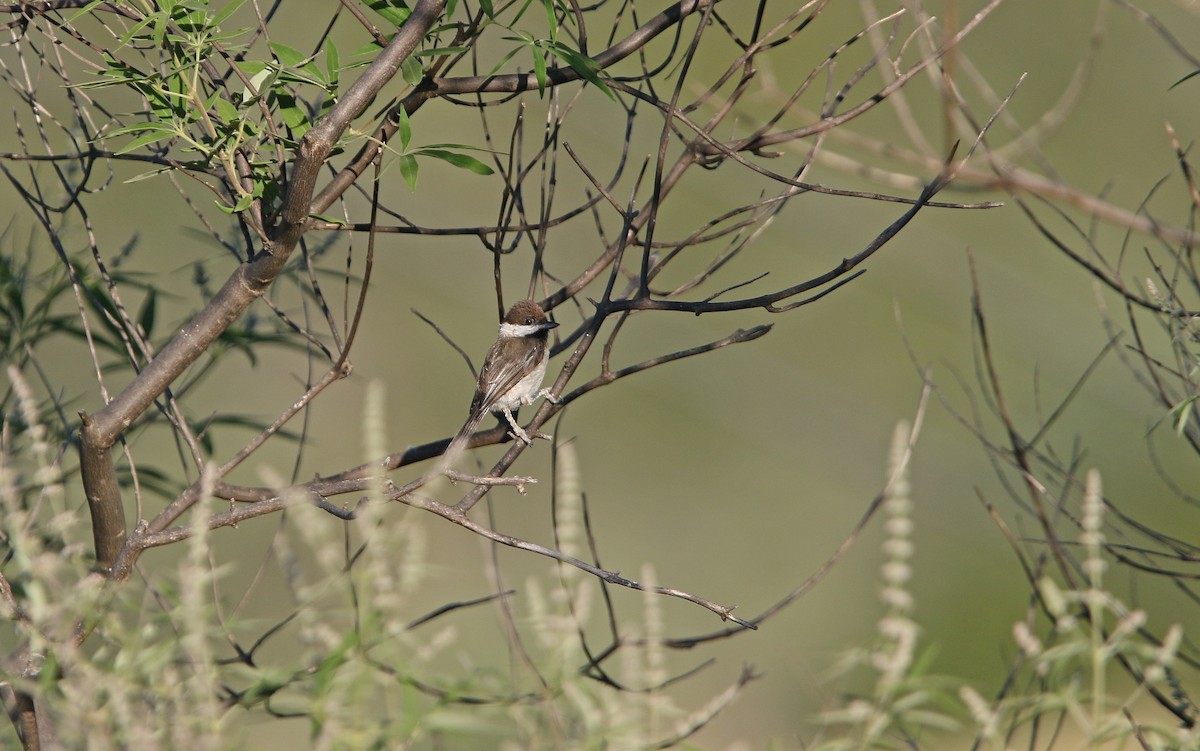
{"x":528,"y":321}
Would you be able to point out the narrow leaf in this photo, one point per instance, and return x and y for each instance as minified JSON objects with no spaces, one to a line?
{"x":539,"y":69}
{"x":462,"y":161}
{"x":504,"y":60}
{"x":85,"y":10}
{"x":1181,"y":413}
{"x":405,"y":130}
{"x":551,"y":20}
{"x":226,"y":12}
{"x":394,"y":12}
{"x":288,"y":56}
{"x":145,"y":140}
{"x":584,"y":66}
{"x":408,"y":170}
{"x":138,"y":128}
{"x":333,"y":62}
{"x":437,"y":51}
{"x":147,"y":314}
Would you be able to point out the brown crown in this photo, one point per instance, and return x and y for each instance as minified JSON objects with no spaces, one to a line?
{"x":524,"y":313}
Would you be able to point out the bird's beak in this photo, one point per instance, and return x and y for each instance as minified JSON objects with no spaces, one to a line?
{"x":549,"y":325}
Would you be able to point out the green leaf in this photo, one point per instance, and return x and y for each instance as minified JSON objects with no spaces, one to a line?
{"x":462,"y":161}
{"x":327,"y":669}
{"x":368,"y":51}
{"x":158,"y":31}
{"x":551,"y":20}
{"x":1182,"y":412}
{"x":288,"y":56}
{"x":457,"y":147}
{"x":146,"y":175}
{"x":243,"y":203}
{"x":99,"y":301}
{"x":409,"y":169}
{"x":488,"y":10}
{"x":584,"y":66}
{"x":136,"y":128}
{"x":412,"y":70}
{"x":149,"y":478}
{"x":293,"y":114}
{"x":225,"y":12}
{"x":405,"y":130}
{"x":11,"y":283}
{"x":262,"y":81}
{"x":238,"y":421}
{"x":225,"y":110}
{"x":436,"y":51}
{"x":539,"y":69}
{"x":297,"y":66}
{"x":146,"y":140}
{"x":261,"y":683}
{"x":504,"y":59}
{"x":191,"y":20}
{"x":393,"y":11}
{"x":520,"y":12}
{"x":333,"y":62}
{"x":146,"y":316}
{"x":135,"y":29}
{"x":85,"y":10}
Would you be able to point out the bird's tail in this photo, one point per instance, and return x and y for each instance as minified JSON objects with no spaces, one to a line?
{"x":458,"y":444}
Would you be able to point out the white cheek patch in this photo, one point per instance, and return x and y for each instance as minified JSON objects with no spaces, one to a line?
{"x":515,"y":330}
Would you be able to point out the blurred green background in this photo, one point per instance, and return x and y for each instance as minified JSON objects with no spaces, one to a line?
{"x":736,"y":474}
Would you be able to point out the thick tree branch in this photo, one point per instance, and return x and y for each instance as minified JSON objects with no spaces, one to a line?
{"x":245,"y":285}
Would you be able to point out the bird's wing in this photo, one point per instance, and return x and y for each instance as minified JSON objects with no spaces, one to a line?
{"x":498,"y":376}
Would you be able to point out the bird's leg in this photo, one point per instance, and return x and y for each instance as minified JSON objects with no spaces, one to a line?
{"x":517,"y":432}
{"x":543,"y":394}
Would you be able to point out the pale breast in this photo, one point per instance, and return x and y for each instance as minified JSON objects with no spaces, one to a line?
{"x":525,"y":388}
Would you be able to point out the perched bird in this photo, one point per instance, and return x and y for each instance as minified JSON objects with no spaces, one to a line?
{"x":512,"y":372}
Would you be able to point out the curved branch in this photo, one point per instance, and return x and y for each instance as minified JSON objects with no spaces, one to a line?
{"x":244,"y":286}
{"x":517,"y":82}
{"x":509,"y":83}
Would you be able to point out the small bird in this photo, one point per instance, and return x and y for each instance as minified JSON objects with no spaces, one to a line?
{"x":512,"y":372}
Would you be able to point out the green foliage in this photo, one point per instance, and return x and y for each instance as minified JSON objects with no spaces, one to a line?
{"x":212,"y":127}
{"x":276,"y":97}
{"x":450,"y":153}
{"x":41,"y":311}
{"x":179,"y":671}
{"x":30,"y":312}
{"x":184,"y":670}
{"x":1062,"y":680}
{"x":171,"y":662}
{"x":395,"y":13}
{"x":541,"y":48}
{"x":1068,"y":672}
{"x":906,"y":703}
